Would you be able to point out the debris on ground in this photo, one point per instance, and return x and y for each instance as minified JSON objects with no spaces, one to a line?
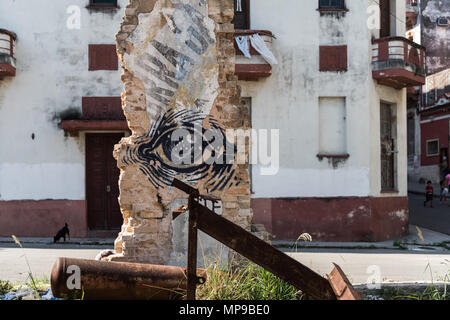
{"x":27,"y":293}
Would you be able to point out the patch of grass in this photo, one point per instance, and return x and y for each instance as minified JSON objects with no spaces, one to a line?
{"x":247,"y":281}
{"x":41,"y":284}
{"x":30,"y":274}
{"x":400,"y":245}
{"x":444,"y":245}
{"x":432,"y":292}
{"x":5,"y":287}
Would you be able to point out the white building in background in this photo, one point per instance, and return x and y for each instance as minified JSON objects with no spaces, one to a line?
{"x":428,"y":125}
{"x":65,"y":68}
{"x":337,"y":95}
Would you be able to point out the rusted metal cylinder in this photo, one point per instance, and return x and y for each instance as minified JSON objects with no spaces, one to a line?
{"x":100,"y":280}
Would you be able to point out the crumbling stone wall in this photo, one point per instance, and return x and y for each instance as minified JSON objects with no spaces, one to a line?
{"x":178,"y":62}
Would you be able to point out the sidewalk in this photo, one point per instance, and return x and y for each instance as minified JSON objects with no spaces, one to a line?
{"x":433,"y":240}
{"x":72,"y":241}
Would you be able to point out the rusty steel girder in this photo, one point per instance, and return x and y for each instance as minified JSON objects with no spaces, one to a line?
{"x":100,"y":280}
{"x":335,"y":287}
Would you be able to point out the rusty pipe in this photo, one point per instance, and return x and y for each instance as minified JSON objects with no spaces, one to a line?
{"x":100,"y":280}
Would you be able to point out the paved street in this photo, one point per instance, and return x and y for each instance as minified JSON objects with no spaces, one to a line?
{"x":436,"y":219}
{"x":393,"y":265}
{"x":41,"y":257}
{"x":359,"y":264}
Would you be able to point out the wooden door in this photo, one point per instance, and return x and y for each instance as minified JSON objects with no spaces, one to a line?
{"x":102,"y":182}
{"x":385,"y":18}
{"x":387,"y":148}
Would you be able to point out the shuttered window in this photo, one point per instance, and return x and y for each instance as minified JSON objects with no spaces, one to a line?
{"x":333,"y":58}
{"x":103,"y":57}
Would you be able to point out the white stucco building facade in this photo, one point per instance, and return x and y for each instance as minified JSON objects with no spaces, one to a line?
{"x":337,"y":96}
{"x":341,"y":176}
{"x":42,"y":168}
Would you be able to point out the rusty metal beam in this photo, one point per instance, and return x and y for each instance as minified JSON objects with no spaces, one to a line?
{"x":101,"y":280}
{"x":335,"y":287}
{"x":192,"y":249}
{"x":263,"y":254}
{"x":184,"y":187}
{"x":341,"y":286}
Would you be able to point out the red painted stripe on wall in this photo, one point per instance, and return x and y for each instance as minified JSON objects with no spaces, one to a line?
{"x":27,"y":218}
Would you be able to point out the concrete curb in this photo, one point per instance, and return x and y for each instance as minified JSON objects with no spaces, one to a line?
{"x":332,"y":245}
{"x":73,"y":241}
{"x":406,"y":285}
{"x":405,"y":288}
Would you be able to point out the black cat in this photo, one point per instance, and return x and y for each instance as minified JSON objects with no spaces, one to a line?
{"x":62,"y":234}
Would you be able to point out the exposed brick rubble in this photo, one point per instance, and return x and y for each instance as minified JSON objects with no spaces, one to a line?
{"x":146,"y":234}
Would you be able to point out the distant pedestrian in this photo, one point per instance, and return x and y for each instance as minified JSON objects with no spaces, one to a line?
{"x":447,"y":179}
{"x":444,"y":190}
{"x":428,"y":194}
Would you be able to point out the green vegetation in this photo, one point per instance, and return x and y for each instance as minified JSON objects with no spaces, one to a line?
{"x":400,"y":245}
{"x":32,"y":282}
{"x":40,"y":284}
{"x":5,"y":287}
{"x":245,"y":282}
{"x":432,"y":292}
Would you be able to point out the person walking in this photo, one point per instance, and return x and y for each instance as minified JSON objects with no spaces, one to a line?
{"x":447,"y":180}
{"x":428,"y":194}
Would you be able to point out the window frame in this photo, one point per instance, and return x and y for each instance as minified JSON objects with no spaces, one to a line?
{"x":93,"y":5}
{"x":339,"y":51}
{"x":438,"y":147}
{"x":439,"y":24}
{"x":96,"y":55}
{"x":324,"y":151}
{"x":247,"y":13}
{"x":342,"y":7}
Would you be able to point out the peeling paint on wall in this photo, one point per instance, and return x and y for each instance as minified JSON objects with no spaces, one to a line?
{"x":436,"y":38}
{"x":178,"y":74}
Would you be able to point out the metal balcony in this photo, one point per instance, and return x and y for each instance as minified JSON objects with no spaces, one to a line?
{"x":7,"y":49}
{"x":256,"y":67}
{"x":398,"y":62}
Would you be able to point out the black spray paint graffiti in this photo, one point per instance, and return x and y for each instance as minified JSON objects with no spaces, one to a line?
{"x":165,"y":152}
{"x":156,"y":73}
{"x":178,"y":144}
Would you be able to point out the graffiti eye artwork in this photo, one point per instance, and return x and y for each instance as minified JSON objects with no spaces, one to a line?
{"x":179,"y":144}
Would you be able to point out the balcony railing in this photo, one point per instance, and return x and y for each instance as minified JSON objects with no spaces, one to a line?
{"x":256,"y":67}
{"x":7,"y":50}
{"x":398,"y":62}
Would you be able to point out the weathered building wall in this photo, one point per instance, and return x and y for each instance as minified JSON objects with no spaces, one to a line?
{"x":299,"y":197}
{"x":435,"y":38}
{"x":434,"y":125}
{"x":435,"y":87}
{"x":164,"y":76}
{"x":42,"y":170}
{"x":178,"y":71}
